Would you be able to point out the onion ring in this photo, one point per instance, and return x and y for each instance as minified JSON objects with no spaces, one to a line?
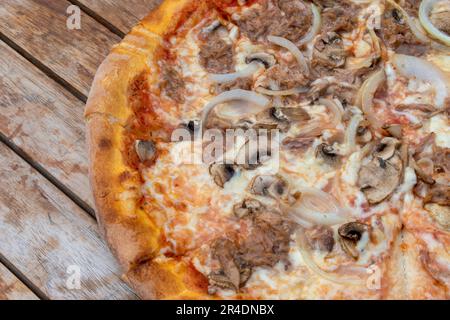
{"x":424,"y":10}
{"x":258,"y":100}
{"x":292,"y":48}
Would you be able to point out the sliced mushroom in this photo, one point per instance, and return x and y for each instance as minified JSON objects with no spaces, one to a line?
{"x":247,"y":207}
{"x":329,"y":51}
{"x":394,"y":130}
{"x":349,"y":236}
{"x":320,"y":238}
{"x":267,"y":59}
{"x":270,"y":185}
{"x":146,"y":150}
{"x":363,"y":134}
{"x":328,"y":154}
{"x":221,"y":173}
{"x":379,"y":178}
{"x":386,"y":148}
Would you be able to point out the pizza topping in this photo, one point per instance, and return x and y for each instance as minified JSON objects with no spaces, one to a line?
{"x":287,"y":18}
{"x":267,"y":59}
{"x":253,"y":154}
{"x":363,"y":134}
{"x":416,"y":68}
{"x":367,"y":93}
{"x":349,"y":236}
{"x":292,"y":48}
{"x":283,"y":77}
{"x":247,"y":207}
{"x":338,"y":16}
{"x":216,"y":55}
{"x":395,"y":130}
{"x":320,"y":238}
{"x":386,"y":148}
{"x":229,"y":275}
{"x":439,"y":271}
{"x":265,"y":245}
{"x":439,"y":194}
{"x":314,"y":206}
{"x":440,"y":214}
{"x":268,"y":241}
{"x":328,"y":154}
{"x":434,"y":16}
{"x":270,"y":186}
{"x":252,"y":68}
{"x":424,"y":170}
{"x":172,"y":84}
{"x":396,"y":31}
{"x":379,"y":178}
{"x":329,"y":51}
{"x":221,"y":173}
{"x":146,"y":150}
{"x":229,"y":112}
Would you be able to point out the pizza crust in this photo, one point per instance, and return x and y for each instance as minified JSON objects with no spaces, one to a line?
{"x":129,"y":231}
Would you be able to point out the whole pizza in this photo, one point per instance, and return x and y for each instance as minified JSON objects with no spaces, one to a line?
{"x":277,"y":149}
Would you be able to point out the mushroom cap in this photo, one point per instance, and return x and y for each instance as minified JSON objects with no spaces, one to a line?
{"x":379,"y":178}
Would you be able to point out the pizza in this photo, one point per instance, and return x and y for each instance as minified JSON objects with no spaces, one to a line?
{"x":344,"y":195}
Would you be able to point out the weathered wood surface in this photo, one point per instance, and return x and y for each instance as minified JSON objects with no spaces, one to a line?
{"x":12,"y":288}
{"x":39,"y":28}
{"x":44,"y":233}
{"x":122,"y":14}
{"x":44,"y":120}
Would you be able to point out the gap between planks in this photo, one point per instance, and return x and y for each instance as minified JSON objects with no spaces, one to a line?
{"x":47,"y":175}
{"x":12,"y":146}
{"x":46,"y":70}
{"x":23,"y":278}
{"x":98,"y":18}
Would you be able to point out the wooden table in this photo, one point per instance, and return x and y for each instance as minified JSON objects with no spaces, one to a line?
{"x":48,"y":230}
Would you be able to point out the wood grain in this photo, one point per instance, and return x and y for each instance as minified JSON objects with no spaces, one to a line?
{"x":12,"y":288}
{"x":44,"y":233}
{"x":122,"y":14}
{"x":39,"y":28}
{"x":45,"y":121}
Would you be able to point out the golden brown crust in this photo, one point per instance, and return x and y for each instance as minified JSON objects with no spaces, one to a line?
{"x":131,"y":234}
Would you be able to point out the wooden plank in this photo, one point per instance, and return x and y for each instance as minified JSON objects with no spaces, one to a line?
{"x":121,"y":14}
{"x":45,"y":121}
{"x":47,"y":237}
{"x":39,"y":28}
{"x":12,"y":288}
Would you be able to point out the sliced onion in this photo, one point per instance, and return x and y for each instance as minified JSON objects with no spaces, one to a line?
{"x":317,"y":207}
{"x":251,"y":69}
{"x":350,"y":133}
{"x":257,"y":102}
{"x":311,"y":264}
{"x":368,"y":90}
{"x":288,"y":92}
{"x":292,"y":48}
{"x":315,"y":27}
{"x":412,"y":67}
{"x":424,"y":11}
{"x":416,"y":28}
{"x":336,"y":112}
